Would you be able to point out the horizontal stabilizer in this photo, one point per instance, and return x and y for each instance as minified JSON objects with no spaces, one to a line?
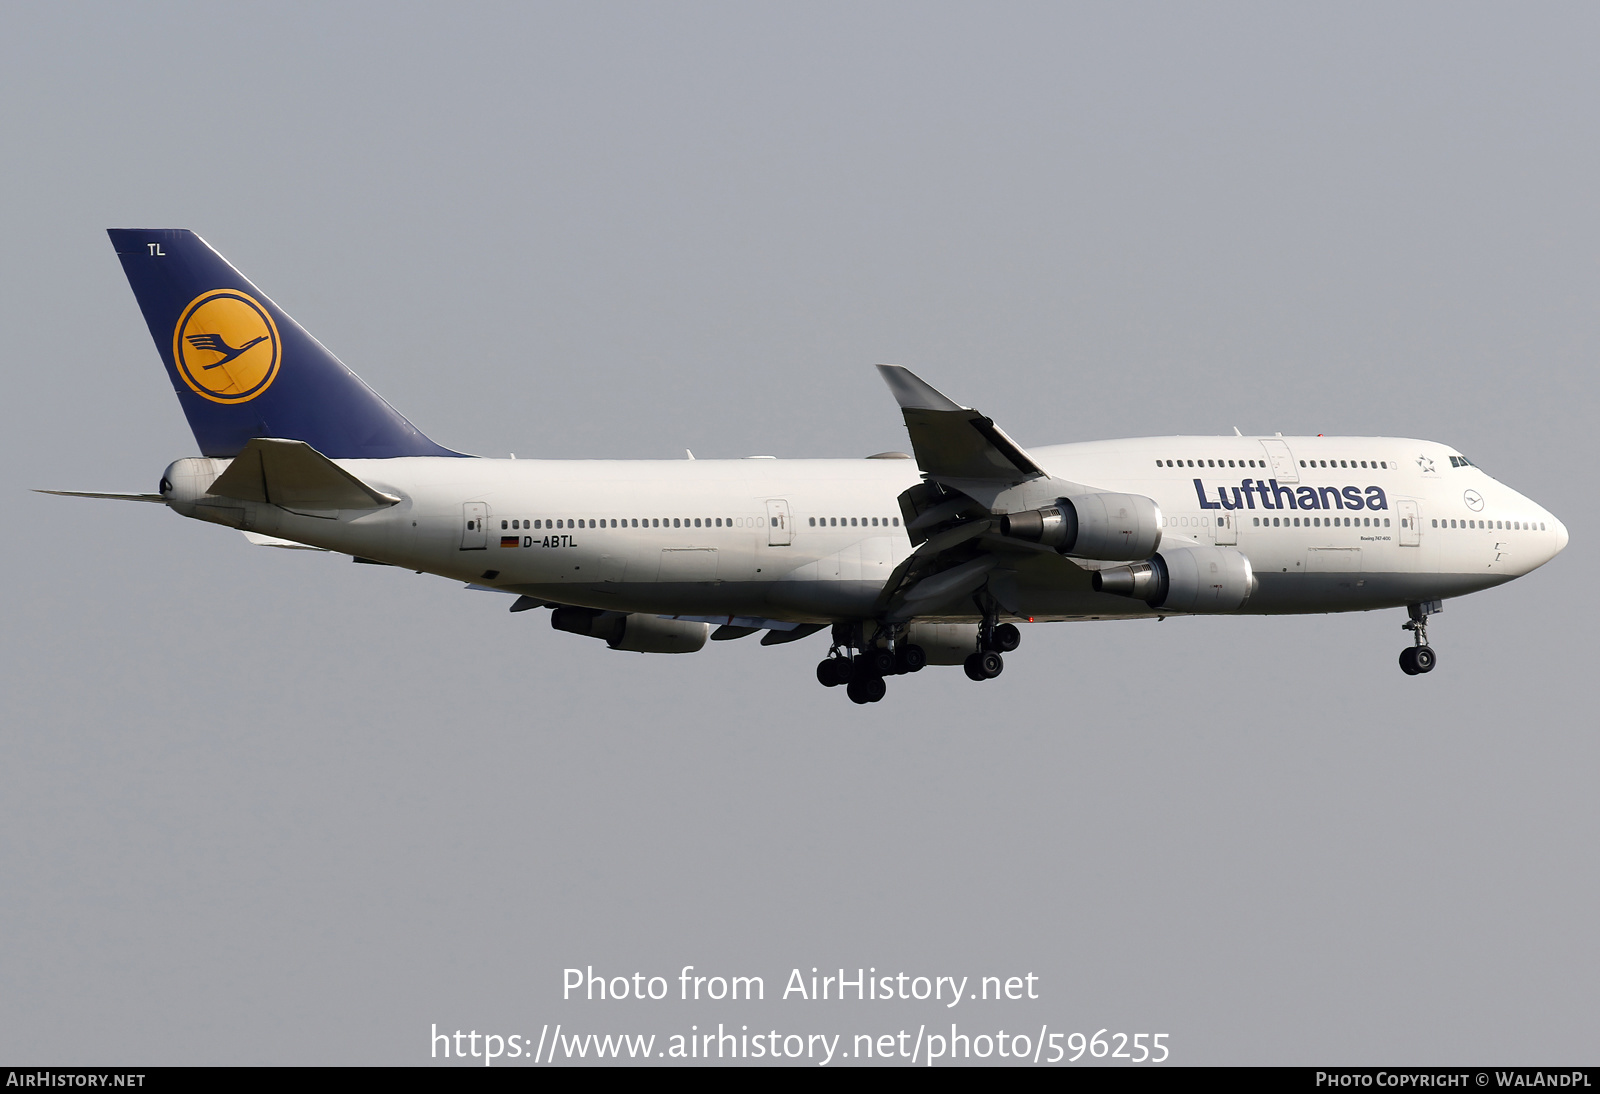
{"x":157,"y":498}
{"x":952,"y":441}
{"x":294,"y":475}
{"x":273,"y":541}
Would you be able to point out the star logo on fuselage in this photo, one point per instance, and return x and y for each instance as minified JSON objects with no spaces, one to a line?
{"x":1426,"y":464}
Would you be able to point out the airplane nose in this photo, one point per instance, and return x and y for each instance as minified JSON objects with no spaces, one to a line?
{"x":1561,"y":538}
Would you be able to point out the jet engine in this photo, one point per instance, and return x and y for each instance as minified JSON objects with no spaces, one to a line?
{"x":1185,"y":579}
{"x":1110,"y":527}
{"x":633,"y":632}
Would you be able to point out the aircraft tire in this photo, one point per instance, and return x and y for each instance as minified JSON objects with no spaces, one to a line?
{"x":1408,"y":661}
{"x":882,"y":662}
{"x":973,"y":667}
{"x":1006,"y":638}
{"x":911,"y":658}
{"x":866,"y":689}
{"x":991,"y":664}
{"x":833,"y":671}
{"x":1424,"y":659}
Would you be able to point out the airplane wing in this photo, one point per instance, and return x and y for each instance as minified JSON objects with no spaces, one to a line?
{"x":955,"y":442}
{"x":971,"y":471}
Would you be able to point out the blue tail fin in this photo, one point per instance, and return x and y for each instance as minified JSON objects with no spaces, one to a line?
{"x":242,"y":368}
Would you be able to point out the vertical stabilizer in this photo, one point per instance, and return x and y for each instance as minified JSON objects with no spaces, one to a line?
{"x":242,"y":368}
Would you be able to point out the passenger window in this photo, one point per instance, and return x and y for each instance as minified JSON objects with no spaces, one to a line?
{"x":1256,"y":521}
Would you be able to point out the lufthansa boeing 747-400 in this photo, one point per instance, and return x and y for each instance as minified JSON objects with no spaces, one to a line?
{"x":930,"y":558}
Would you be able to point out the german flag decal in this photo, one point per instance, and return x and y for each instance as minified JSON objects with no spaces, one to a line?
{"x":509,"y":541}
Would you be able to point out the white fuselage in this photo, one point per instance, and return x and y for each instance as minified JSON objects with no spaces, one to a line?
{"x":815,"y":540}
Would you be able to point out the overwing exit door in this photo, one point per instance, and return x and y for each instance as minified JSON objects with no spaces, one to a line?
{"x":779,"y":533}
{"x":1282,"y":460}
{"x":1227,"y":529}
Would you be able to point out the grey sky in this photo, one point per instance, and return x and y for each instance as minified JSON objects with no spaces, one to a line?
{"x":267,"y":806}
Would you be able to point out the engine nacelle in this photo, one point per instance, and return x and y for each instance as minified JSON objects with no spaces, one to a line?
{"x":635,"y":632}
{"x":1185,"y":579}
{"x":1109,"y":527}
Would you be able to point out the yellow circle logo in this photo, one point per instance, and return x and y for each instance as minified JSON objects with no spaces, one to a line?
{"x":226,"y":346}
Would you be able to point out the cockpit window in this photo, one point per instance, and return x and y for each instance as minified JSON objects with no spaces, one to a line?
{"x":1461,"y":461}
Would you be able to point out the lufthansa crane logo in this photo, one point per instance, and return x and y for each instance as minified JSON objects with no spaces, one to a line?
{"x":226,"y":346}
{"x":1474,"y":500}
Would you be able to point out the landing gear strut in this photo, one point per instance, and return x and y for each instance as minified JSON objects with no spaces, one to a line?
{"x":994,"y":639}
{"x":1419,"y":658}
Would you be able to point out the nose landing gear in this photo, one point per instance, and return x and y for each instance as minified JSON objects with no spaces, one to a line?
{"x":1420,"y":658}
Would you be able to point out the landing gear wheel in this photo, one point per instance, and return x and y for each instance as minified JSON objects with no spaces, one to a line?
{"x":881,"y":662}
{"x":991,"y":664}
{"x":866,"y":689}
{"x":1416,"y":660}
{"x":1006,"y":638}
{"x":833,"y":671}
{"x":911,"y":659}
{"x":973,"y":668}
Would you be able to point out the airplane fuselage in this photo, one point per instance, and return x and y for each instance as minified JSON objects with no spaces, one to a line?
{"x":1329,"y":524}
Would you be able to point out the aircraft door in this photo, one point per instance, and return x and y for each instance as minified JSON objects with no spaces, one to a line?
{"x":1227,"y":528}
{"x":1410,"y":524}
{"x":779,"y":533}
{"x":1282,"y":460}
{"x":474,"y":526}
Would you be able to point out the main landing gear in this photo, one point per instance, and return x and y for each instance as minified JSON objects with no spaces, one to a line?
{"x":861,"y":666}
{"x":1420,"y":658}
{"x":994,"y":639}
